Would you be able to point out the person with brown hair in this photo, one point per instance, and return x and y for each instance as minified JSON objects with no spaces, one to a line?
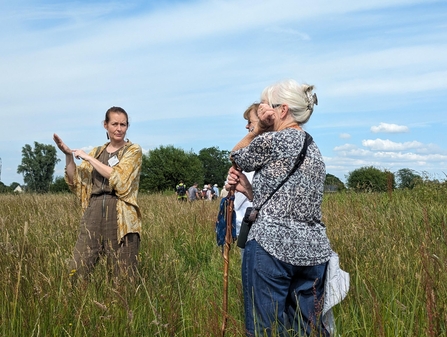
{"x":106,"y":183}
{"x":241,"y":202}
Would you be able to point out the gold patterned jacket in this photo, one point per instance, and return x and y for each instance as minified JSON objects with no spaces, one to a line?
{"x":124,"y":180}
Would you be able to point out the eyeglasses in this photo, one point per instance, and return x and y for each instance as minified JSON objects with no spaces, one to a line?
{"x":274,"y":106}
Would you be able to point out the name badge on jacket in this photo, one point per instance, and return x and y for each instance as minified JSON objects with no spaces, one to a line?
{"x":113,"y":161}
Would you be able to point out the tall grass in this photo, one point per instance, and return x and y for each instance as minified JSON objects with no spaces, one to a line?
{"x":395,"y":248}
{"x":393,"y":245}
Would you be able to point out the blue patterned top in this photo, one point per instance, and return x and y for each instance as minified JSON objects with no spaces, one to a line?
{"x":289,"y":225}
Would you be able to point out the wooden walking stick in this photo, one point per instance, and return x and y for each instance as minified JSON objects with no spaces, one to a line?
{"x":226,"y":254}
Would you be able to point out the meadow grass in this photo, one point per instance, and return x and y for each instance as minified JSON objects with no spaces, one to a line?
{"x":394,"y":245}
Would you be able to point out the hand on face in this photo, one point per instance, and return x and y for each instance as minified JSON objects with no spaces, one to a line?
{"x":267,"y":117}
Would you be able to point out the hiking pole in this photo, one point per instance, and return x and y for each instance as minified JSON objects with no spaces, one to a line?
{"x":226,"y":254}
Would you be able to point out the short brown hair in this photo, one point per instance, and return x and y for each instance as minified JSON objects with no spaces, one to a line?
{"x":254,"y":106}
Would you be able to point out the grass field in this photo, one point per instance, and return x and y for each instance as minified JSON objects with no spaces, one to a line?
{"x":393,"y":245}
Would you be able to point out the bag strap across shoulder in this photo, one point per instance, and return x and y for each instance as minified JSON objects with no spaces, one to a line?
{"x":298,"y":163}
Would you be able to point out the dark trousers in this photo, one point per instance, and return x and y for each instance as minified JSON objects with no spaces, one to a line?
{"x":274,"y":289}
{"x":98,"y":237}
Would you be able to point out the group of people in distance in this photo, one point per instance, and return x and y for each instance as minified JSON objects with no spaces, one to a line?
{"x":287,"y":252}
{"x":193,"y":193}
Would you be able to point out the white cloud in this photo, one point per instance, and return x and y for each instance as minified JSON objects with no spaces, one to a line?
{"x":412,"y":157}
{"x":389,"y":128}
{"x":87,"y":149}
{"x":180,"y":68}
{"x":349,"y":158}
{"x":387,"y":145}
{"x":389,"y":152}
{"x":391,"y":83}
{"x":345,"y":147}
{"x":351,"y":150}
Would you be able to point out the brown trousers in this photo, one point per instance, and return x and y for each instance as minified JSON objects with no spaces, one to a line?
{"x":98,"y":237}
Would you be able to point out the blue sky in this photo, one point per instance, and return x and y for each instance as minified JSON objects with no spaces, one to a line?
{"x":186,"y":70}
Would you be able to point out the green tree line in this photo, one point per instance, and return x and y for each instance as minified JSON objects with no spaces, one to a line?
{"x":164,"y":167}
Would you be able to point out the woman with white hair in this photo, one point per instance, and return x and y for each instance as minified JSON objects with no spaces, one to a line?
{"x":287,"y":249}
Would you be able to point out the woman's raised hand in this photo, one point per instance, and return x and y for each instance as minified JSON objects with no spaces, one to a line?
{"x":61,"y":145}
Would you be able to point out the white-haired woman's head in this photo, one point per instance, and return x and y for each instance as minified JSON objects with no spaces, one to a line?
{"x":299,"y":98}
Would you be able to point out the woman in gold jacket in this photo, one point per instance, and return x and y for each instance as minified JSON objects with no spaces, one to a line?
{"x":106,"y":183}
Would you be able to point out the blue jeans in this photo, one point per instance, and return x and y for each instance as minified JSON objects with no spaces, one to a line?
{"x":274,"y":290}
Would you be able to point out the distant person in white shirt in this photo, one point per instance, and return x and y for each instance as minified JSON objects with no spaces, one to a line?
{"x":216,"y":191}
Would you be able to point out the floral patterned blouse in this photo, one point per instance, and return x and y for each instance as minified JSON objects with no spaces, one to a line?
{"x":124,"y":181}
{"x":289,"y":225}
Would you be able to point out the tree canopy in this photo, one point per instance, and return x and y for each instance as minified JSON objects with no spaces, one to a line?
{"x":215,"y":164}
{"x":333,"y":183}
{"x":164,"y":167}
{"x":5,"y":189}
{"x":37,"y":166}
{"x":59,"y":185}
{"x":407,"y":178}
{"x":370,"y":179}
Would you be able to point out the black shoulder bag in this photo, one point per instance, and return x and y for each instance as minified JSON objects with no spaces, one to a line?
{"x":252,"y":213}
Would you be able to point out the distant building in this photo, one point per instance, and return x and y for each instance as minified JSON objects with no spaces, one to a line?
{"x":18,"y":189}
{"x":330,"y":188}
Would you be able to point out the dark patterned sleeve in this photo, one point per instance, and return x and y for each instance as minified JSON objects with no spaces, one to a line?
{"x":255,"y":155}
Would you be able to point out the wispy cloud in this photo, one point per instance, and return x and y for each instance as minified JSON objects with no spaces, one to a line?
{"x":185,"y":71}
{"x":389,"y":128}
{"x":289,"y":31}
{"x":387,"y":145}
